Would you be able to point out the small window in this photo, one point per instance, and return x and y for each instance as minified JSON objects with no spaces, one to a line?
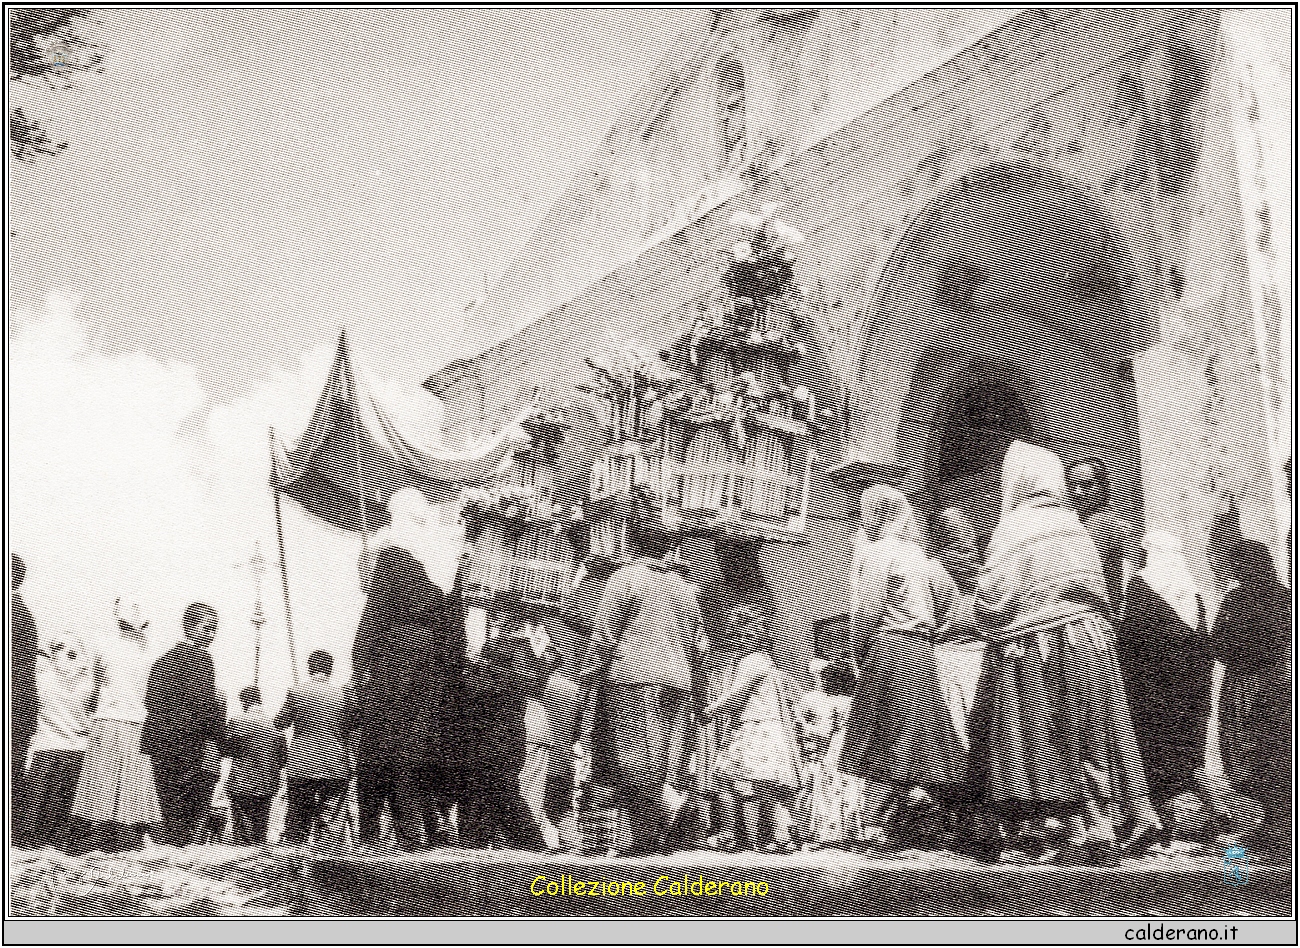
{"x":731,"y":108}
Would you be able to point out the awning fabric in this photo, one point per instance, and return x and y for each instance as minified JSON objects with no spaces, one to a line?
{"x":354,"y":448}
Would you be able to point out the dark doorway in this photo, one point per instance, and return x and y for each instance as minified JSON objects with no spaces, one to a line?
{"x":985,"y":418}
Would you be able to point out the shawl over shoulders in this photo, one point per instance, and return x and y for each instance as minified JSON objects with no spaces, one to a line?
{"x":1042,"y":567}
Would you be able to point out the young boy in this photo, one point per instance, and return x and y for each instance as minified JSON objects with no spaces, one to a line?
{"x":258,"y":752}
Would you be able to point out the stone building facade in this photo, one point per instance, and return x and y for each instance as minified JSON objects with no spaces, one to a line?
{"x":1020,"y":224}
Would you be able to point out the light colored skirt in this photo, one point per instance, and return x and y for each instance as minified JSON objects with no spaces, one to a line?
{"x":959,"y":665}
{"x":117,"y":784}
{"x":830,"y":808}
{"x":761,"y":752}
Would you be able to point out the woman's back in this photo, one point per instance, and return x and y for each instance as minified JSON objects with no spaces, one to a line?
{"x":1042,"y":565}
{"x":900,"y":590}
{"x":123,"y":670}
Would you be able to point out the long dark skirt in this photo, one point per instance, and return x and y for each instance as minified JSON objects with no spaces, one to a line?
{"x":1050,"y":728}
{"x":51,"y":788}
{"x":1255,"y":731}
{"x":1101,"y":725}
{"x":1167,"y":677}
{"x":641,"y":739}
{"x":411,"y":715}
{"x":1019,"y":755}
{"x":899,"y":730}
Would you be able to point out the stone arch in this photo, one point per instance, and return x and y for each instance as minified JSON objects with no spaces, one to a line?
{"x":1014,"y":268}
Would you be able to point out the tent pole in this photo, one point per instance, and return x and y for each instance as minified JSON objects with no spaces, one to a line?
{"x":284,"y":566}
{"x":356,"y":456}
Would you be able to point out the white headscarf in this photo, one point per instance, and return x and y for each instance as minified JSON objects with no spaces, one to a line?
{"x":1167,"y":574}
{"x":1029,"y":473}
{"x":415,"y":527}
{"x":889,"y":533}
{"x":132,"y":623}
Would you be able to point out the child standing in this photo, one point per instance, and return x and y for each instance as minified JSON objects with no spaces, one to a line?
{"x":830,"y":805}
{"x":761,"y":760}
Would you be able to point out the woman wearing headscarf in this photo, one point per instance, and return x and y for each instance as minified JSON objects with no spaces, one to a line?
{"x":408,"y":665}
{"x":1164,"y":651}
{"x":899,"y":734}
{"x":1051,"y":730}
{"x":117,"y":801}
{"x":1251,"y":636}
{"x":959,"y":648}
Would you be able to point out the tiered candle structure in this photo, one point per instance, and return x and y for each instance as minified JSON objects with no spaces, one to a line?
{"x":520,"y":555}
{"x":711,"y":436}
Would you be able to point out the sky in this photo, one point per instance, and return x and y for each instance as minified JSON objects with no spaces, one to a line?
{"x":239,"y":186}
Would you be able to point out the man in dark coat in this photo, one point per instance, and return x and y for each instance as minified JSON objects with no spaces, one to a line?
{"x":258,"y":753}
{"x":184,"y":712}
{"x":24,"y":702}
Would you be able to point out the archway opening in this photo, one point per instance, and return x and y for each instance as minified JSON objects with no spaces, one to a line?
{"x":986,"y":416}
{"x":1010,"y":309}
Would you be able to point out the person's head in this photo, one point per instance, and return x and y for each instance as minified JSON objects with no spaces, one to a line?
{"x":1252,"y":565}
{"x":409,"y":509}
{"x":200,"y":624}
{"x":1088,"y":482}
{"x":250,"y":698}
{"x":1031,"y":473}
{"x":68,"y":657}
{"x":957,"y":547}
{"x":17,"y":571}
{"x":747,"y":628}
{"x":838,"y":680}
{"x":888,"y":514}
{"x":320,"y":662}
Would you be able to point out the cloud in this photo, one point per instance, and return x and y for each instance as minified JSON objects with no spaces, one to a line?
{"x":127,"y":480}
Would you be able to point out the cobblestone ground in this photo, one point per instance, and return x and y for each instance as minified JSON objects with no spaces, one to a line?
{"x":204,"y":880}
{"x":227,"y":880}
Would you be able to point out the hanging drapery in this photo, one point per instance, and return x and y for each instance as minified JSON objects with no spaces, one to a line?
{"x":354,"y":455}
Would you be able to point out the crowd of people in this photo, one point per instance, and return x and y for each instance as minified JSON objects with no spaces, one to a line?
{"x":1056,"y":694}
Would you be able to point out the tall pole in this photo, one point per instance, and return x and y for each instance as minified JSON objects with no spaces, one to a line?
{"x":284,"y":566}
{"x":258,"y":565}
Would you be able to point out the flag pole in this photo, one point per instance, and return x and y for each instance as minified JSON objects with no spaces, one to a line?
{"x":284,"y":565}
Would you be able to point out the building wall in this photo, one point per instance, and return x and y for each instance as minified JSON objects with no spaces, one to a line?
{"x":805,"y":75}
{"x":1098,"y":98}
